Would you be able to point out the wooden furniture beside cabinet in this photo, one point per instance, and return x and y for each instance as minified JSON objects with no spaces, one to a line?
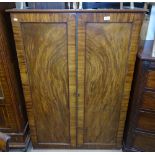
{"x":153,"y":49}
{"x":140,"y":125}
{"x":76,"y":68}
{"x":13,"y":119}
{"x":4,"y":142}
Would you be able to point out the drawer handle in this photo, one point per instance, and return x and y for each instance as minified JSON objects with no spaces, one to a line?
{"x":1,"y":94}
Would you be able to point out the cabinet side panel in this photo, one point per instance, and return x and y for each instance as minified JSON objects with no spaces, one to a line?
{"x":105,"y":69}
{"x":46,"y":57}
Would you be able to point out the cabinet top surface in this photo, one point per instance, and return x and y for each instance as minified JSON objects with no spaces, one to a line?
{"x":78,"y":10}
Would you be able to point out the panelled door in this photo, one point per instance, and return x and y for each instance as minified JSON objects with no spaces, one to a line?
{"x":107,"y":46}
{"x":45,"y":44}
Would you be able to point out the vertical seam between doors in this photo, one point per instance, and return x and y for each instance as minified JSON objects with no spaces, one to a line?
{"x":76,"y":58}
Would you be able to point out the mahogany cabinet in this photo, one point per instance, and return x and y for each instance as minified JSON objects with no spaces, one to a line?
{"x":76,"y":68}
{"x":140,"y":126}
{"x":13,"y":119}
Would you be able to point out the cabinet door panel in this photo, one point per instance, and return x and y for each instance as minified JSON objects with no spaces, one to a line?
{"x":105,"y":65}
{"x":48,"y":55}
{"x":105,"y":69}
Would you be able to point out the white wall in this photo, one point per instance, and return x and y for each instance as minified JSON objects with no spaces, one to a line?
{"x":151,"y":28}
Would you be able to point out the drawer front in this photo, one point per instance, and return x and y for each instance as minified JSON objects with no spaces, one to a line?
{"x":146,"y":121}
{"x":151,"y":80}
{"x":148,"y":101}
{"x":144,"y":142}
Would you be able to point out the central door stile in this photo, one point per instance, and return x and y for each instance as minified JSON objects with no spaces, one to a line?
{"x":72,"y":77}
{"x":80,"y":76}
{"x":76,"y":50}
